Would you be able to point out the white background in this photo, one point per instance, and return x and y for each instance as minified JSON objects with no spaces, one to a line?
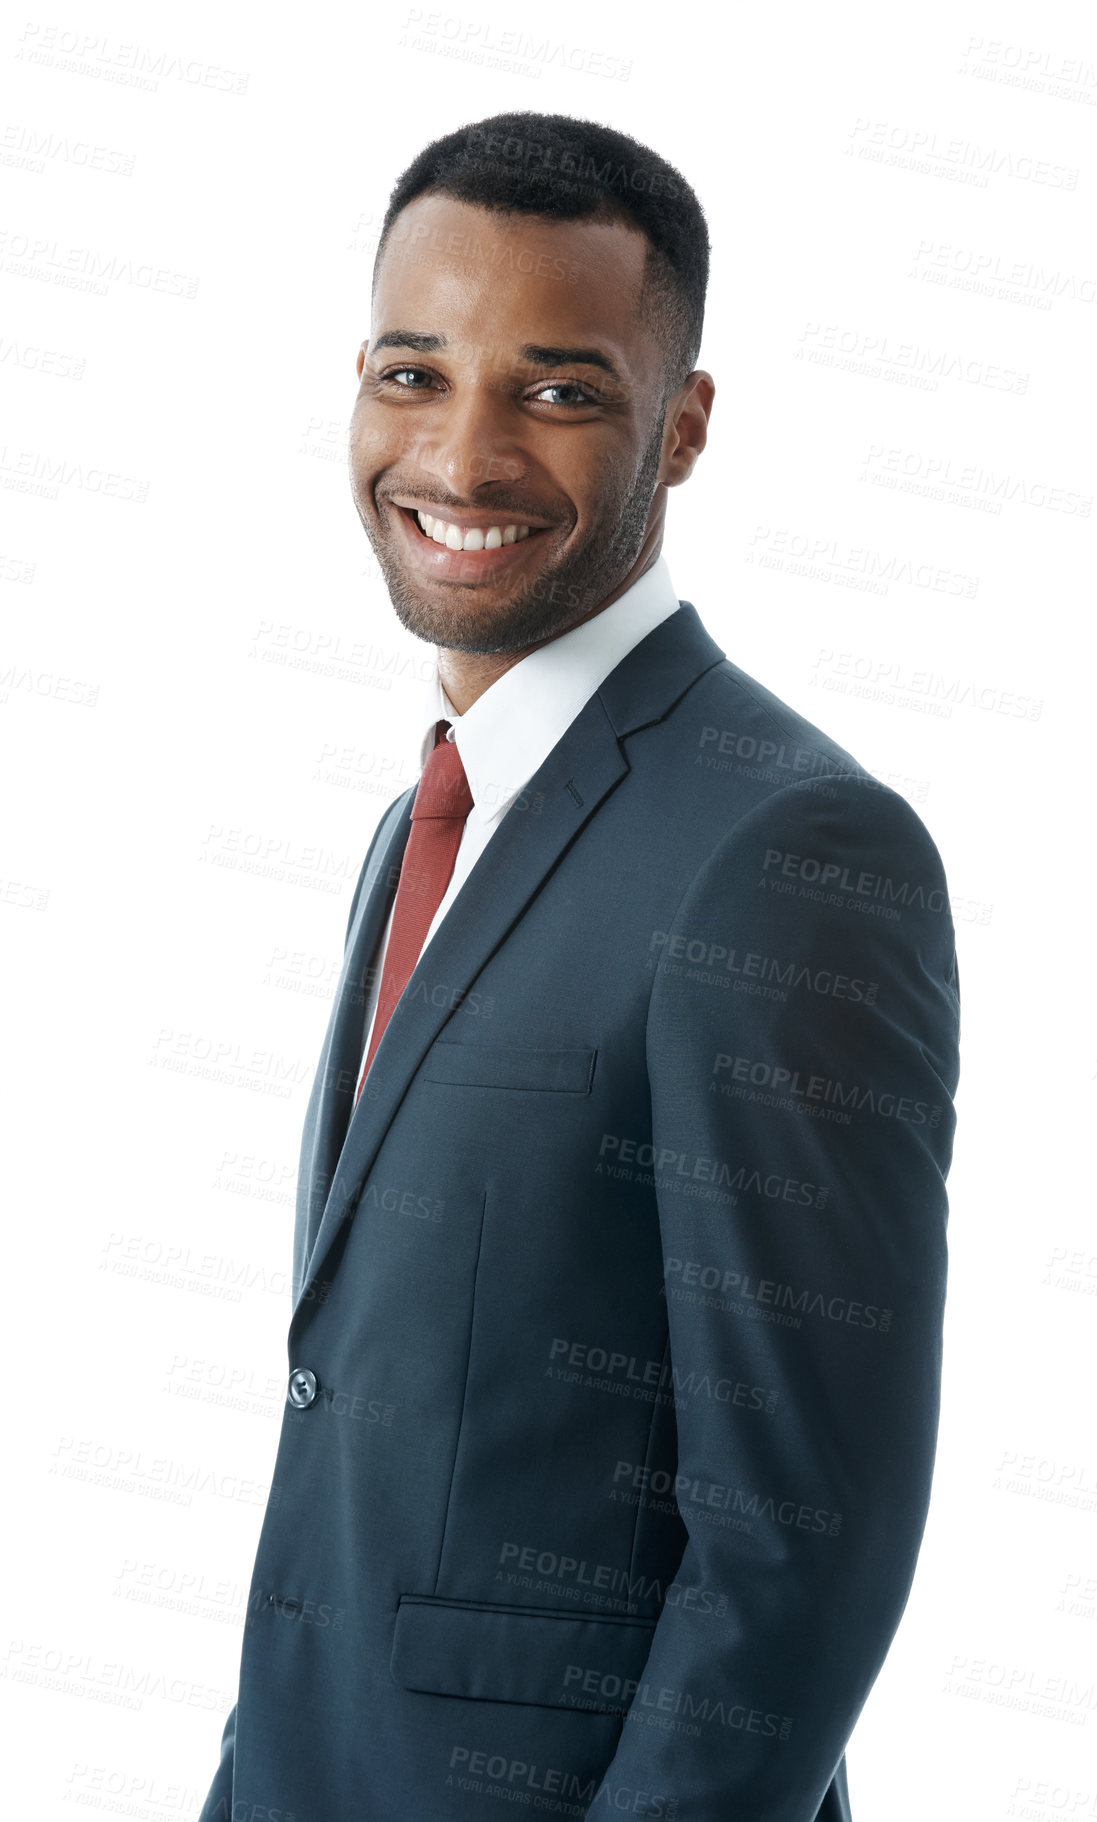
{"x":203,"y":689}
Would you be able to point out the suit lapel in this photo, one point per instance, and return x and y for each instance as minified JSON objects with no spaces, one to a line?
{"x":332,"y":1097}
{"x":580,"y":772}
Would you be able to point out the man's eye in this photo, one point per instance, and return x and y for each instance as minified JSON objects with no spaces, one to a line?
{"x":581,"y":395}
{"x":402,"y":374}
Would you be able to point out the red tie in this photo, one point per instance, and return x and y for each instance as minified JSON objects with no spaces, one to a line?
{"x":442,"y":802}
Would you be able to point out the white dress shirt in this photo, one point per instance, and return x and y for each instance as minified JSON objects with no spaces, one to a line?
{"x":512,"y":728}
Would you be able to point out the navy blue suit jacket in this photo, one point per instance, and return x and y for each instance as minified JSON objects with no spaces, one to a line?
{"x":615,"y":1352}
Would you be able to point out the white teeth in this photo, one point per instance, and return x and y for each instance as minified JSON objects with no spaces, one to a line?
{"x":455,"y":537}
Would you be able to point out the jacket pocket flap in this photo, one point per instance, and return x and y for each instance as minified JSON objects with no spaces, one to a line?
{"x":509,"y":1066}
{"x":517,"y":1654}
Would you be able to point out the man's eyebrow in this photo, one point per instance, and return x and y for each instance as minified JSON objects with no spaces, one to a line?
{"x":409,"y":338}
{"x":568,"y":357}
{"x":533,"y":353}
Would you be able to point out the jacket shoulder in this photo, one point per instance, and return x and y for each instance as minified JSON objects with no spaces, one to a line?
{"x":748,"y":705}
{"x":755,"y":749}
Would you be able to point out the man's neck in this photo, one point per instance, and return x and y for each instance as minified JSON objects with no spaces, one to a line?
{"x":466,"y":675}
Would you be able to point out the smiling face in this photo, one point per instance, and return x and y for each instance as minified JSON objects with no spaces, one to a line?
{"x":508,"y":452}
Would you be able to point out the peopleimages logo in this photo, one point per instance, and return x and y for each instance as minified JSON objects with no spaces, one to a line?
{"x":631,"y":1368}
{"x":621,"y":1693}
{"x":751,"y":965}
{"x":827,"y":1090}
{"x":605,"y":176}
{"x":726,"y":1288}
{"x":682,"y":1170}
{"x":830,"y":873}
{"x":702,"y":1494}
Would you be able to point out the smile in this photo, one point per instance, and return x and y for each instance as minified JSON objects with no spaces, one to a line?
{"x":444,"y":550}
{"x":470,"y":537}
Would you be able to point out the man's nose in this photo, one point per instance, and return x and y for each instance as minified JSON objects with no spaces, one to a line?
{"x":472,"y":441}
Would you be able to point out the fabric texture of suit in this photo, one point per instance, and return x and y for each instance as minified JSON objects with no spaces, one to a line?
{"x":618,"y":1301}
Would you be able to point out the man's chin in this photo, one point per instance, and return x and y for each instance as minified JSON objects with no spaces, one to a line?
{"x":480,"y":618}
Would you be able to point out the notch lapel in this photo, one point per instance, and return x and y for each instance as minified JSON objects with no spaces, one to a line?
{"x":332,"y":1096}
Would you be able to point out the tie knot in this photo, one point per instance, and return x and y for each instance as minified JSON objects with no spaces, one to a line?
{"x":443,"y":788}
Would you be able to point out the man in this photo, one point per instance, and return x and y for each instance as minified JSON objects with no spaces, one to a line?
{"x":620,"y":1248}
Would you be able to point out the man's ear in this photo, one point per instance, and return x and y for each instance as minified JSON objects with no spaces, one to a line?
{"x":685,"y":429}
{"x":361,"y":361}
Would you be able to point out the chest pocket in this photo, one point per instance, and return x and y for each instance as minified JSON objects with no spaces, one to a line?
{"x":510,"y":1066}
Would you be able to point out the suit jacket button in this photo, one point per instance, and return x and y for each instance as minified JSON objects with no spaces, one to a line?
{"x":303,"y":1388}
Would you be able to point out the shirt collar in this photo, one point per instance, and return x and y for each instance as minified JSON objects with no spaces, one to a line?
{"x":512,"y":728}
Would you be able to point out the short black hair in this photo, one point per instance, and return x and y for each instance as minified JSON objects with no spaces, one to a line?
{"x":565,"y":169}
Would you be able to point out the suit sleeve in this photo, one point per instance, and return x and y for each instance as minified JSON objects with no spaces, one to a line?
{"x":218,"y":1804}
{"x":802,"y":1125}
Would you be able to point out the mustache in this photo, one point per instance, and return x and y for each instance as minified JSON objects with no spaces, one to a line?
{"x":505,"y":506}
